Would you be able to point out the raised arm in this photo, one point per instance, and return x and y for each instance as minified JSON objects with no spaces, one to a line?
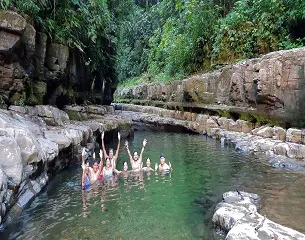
{"x":103,"y":145}
{"x":118,"y":147}
{"x":130,"y":157}
{"x":83,"y":179}
{"x":101,"y":161}
{"x":141,"y":154}
{"x":83,"y":157}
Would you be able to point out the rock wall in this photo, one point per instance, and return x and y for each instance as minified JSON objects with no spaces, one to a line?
{"x":35,"y":70}
{"x":271,"y":86}
{"x":37,"y":142}
{"x":284,"y":148}
{"x":238,"y":217}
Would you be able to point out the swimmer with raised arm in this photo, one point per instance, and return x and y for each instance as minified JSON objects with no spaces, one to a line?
{"x":136,"y":160}
{"x":91,"y":173}
{"x":97,"y":167}
{"x":163,"y":165}
{"x":112,"y":158}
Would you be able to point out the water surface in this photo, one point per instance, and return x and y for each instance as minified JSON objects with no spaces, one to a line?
{"x":179,"y":205}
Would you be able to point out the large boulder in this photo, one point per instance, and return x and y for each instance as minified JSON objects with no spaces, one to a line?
{"x":295,"y":135}
{"x":20,"y":129}
{"x":49,"y":149}
{"x":57,"y":57}
{"x":279,"y":133}
{"x":266,"y":132}
{"x":281,"y":149}
{"x":12,"y":21}
{"x":57,"y":137}
{"x":235,"y":126}
{"x":238,"y":217}
{"x":10,"y":160}
{"x":53,"y":116}
{"x":224,"y":123}
{"x":8,"y":41}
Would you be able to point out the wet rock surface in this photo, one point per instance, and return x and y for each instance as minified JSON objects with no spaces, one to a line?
{"x":37,"y":142}
{"x":275,"y":142}
{"x":237,"y":216}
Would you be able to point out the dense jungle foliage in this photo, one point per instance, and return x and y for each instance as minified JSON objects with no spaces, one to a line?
{"x":155,"y":40}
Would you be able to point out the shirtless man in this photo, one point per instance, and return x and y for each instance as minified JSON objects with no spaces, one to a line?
{"x":163,"y":165}
{"x":136,"y":161}
{"x":91,"y":173}
{"x":147,"y":168}
{"x":112,"y":158}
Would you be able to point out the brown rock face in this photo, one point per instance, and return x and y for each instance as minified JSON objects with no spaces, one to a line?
{"x":57,"y":57}
{"x":12,"y":21}
{"x":28,"y":38}
{"x":272,"y":85}
{"x":35,"y":70}
{"x":8,"y":41}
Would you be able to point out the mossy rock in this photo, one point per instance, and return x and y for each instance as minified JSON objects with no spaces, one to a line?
{"x":73,"y":115}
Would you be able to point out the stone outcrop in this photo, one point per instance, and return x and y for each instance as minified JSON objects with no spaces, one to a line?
{"x":271,"y":86}
{"x":35,"y":70}
{"x":283,"y":148}
{"x":238,"y":217}
{"x":37,"y":142}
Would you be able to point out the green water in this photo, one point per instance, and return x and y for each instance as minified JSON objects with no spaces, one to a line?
{"x":160,"y":206}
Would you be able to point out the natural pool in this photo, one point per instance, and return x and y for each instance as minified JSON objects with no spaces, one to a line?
{"x":179,"y":205}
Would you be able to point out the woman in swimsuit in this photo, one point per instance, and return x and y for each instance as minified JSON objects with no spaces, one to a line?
{"x":113,"y":158}
{"x":91,"y":174}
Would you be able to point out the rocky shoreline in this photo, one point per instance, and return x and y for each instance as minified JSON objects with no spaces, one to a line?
{"x":237,"y":216}
{"x":266,"y":89}
{"x":285,"y":148}
{"x":37,"y":142}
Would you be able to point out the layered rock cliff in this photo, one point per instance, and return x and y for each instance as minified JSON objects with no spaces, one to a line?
{"x":35,"y":70}
{"x":271,"y":86}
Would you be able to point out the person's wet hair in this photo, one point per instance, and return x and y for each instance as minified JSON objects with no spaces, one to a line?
{"x":110,"y":149}
{"x":94,"y":162}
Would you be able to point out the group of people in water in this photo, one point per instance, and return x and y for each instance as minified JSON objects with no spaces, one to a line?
{"x":99,"y":171}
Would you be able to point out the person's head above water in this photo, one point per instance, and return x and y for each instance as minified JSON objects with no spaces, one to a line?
{"x":110,"y":153}
{"x":95,"y":165}
{"x":108,"y":163}
{"x":87,"y":165}
{"x":162,"y":158}
{"x":135,"y":156}
{"x":125,"y":167}
{"x":148,"y":162}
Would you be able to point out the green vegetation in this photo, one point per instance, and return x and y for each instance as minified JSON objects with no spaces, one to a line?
{"x":135,"y":41}
{"x":87,"y":26}
{"x":172,"y":39}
